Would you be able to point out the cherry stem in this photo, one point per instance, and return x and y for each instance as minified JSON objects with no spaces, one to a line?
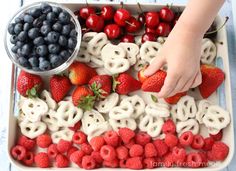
{"x":122,"y":4}
{"x":86,"y":2}
{"x":140,"y":8}
{"x":130,"y":23}
{"x":170,"y":6}
{"x":218,"y":29}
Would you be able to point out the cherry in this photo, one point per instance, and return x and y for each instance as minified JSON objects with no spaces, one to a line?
{"x":112,"y":31}
{"x":150,"y":30}
{"x":95,"y":23}
{"x":85,"y":12}
{"x":128,"y":38}
{"x":163,"y":29}
{"x":133,"y":25}
{"x":107,"y":12}
{"x":121,"y":17}
{"x":149,"y":37}
{"x":141,"y":18}
{"x":166,"y":14}
{"x":152,"y":19}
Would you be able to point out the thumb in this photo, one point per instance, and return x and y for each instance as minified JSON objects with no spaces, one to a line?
{"x":155,"y":65}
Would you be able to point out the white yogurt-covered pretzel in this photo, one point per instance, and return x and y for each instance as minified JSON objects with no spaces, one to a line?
{"x":203,"y":106}
{"x":186,"y":108}
{"x":116,"y":65}
{"x":104,"y":106}
{"x":173,"y":113}
{"x":149,"y":50}
{"x":65,"y":134}
{"x":96,"y":62}
{"x":132,"y":51}
{"x":83,"y":54}
{"x":123,"y":111}
{"x":140,"y":64}
{"x":158,"y":109}
{"x":208,"y":51}
{"x":161,"y":39}
{"x":47,"y":97}
{"x":123,"y":123}
{"x":110,"y":51}
{"x":21,"y":117}
{"x":138,"y":40}
{"x":96,"y":44}
{"x":213,"y":131}
{"x":88,"y":36}
{"x":97,"y":129}
{"x":188,"y":125}
{"x":68,"y":115}
{"x":32,"y":129}
{"x":51,"y":120}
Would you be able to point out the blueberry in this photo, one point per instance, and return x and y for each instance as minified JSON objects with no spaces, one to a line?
{"x":36,"y":69}
{"x":18,"y":20}
{"x":53,"y":48}
{"x":35,"y":12}
{"x":64,"y":17}
{"x":57,"y":10}
{"x":18,"y":28}
{"x":45,"y":29}
{"x":46,"y":22}
{"x":19,"y":44}
{"x":23,"y":62}
{"x":14,"y":49}
{"x":46,"y":8}
{"x":65,"y":54}
{"x":56,"y":60}
{"x":38,"y":22}
{"x":52,"y":37}
{"x":33,"y":33}
{"x":41,"y":58}
{"x":26,"y":50}
{"x":34,"y":62}
{"x":62,"y":40}
{"x":51,"y":17}
{"x":28,"y":18}
{"x":11,"y":28}
{"x":27,"y":26}
{"x":44,"y":65}
{"x":72,"y":43}
{"x":38,"y":41}
{"x":19,"y":53}
{"x":42,"y":50}
{"x":13,"y":39}
{"x":72,"y":25}
{"x":57,"y":27}
{"x":43,"y":17}
{"x":66,"y":29}
{"x":22,"y":36}
{"x":73,"y":33}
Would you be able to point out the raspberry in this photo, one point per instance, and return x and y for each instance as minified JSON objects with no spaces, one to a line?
{"x":86,"y":148}
{"x":62,"y":161}
{"x":219,"y":151}
{"x":24,"y":141}
{"x":161,"y":147}
{"x":52,"y":151}
{"x":112,"y":164}
{"x":122,"y":163}
{"x":97,"y":157}
{"x":134,"y":163}
{"x":168,"y":160}
{"x":179,"y":155}
{"x":186,"y":138}
{"x":198,"y":142}
{"x":76,"y":126}
{"x":194,"y":160}
{"x":208,"y":143}
{"x":111,"y":138}
{"x":122,"y":152}
{"x":71,"y":150}
{"x":79,"y":138}
{"x":130,"y":144}
{"x":63,"y":146}
{"x":108,"y":153}
{"x":126,"y":135}
{"x":44,"y":140}
{"x":149,"y":163}
{"x":203,"y":155}
{"x":42,"y":160}
{"x":97,"y":143}
{"x":218,"y":136}
{"x":18,"y":152}
{"x":77,"y":156}
{"x":88,"y":163}
{"x":136,"y":150}
{"x":29,"y":158}
{"x":150,"y":150}
{"x":171,"y":140}
{"x":142,"y":138}
{"x":169,"y":127}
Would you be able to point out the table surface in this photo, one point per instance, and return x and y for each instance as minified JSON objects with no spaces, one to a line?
{"x":8,"y":7}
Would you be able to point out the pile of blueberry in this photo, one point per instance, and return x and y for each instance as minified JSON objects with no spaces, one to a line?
{"x":43,"y":37}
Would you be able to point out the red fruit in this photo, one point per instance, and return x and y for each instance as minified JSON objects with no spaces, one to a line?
{"x":174,"y":99}
{"x":29,"y":85}
{"x":71,"y":150}
{"x":194,"y":160}
{"x":44,"y":140}
{"x":85,"y":12}
{"x":52,"y":151}
{"x":169,"y":127}
{"x":155,"y":82}
{"x":126,"y":134}
{"x":141,"y":18}
{"x":208,"y":143}
{"x":29,"y":158}
{"x":122,"y":163}
{"x":97,"y":142}
{"x":141,"y":76}
{"x":122,"y":152}
{"x":112,"y":164}
{"x":171,"y":140}
{"x":24,"y":141}
{"x":220,"y":151}
{"x":150,"y":150}
{"x":125,"y":84}
{"x":152,"y":19}
{"x":161,"y":147}
{"x":108,"y":153}
{"x":59,"y":87}
{"x":62,"y":161}
{"x":77,"y":156}
{"x":107,"y":12}
{"x":166,"y":14}
{"x":97,"y":157}
{"x":121,"y":17}
{"x":179,"y":155}
{"x":112,"y":31}
{"x":95,"y":23}
{"x":42,"y":160}
{"x":203,"y":155}
{"x":133,"y":25}
{"x":111,"y":138}
{"x":212,"y":78}
{"x":79,"y":137}
{"x":88,"y":163}
{"x":168,"y":160}
{"x":83,"y":97}
{"x":86,"y":148}
{"x":18,"y":152}
{"x":136,"y":150}
{"x":80,"y":73}
{"x":163,"y":29}
{"x":186,"y":138}
{"x":76,"y":126}
{"x":218,"y":136}
{"x":198,"y":142}
{"x":149,"y":37}
{"x":130,"y":144}
{"x":134,"y":163}
{"x":149,"y":163}
{"x":128,"y":38}
{"x":63,"y":146}
{"x":142,"y":138}
{"x":150,"y":30}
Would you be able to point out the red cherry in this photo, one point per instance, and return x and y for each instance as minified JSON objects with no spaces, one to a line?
{"x":163,"y":29}
{"x":107,"y":12}
{"x":95,"y":23}
{"x":121,"y":16}
{"x":150,"y":30}
{"x":112,"y":31}
{"x":149,"y":37}
{"x":141,"y":18}
{"x":85,"y":12}
{"x":128,"y":38}
{"x":152,"y":19}
{"x":166,"y":14}
{"x":133,"y":25}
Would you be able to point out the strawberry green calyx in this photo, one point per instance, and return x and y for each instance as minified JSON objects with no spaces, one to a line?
{"x":86,"y":103}
{"x":98,"y":92}
{"x":114,"y":82}
{"x":33,"y":92}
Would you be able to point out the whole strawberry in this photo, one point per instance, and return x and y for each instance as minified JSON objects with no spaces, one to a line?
{"x":125,"y":83}
{"x":29,"y":85}
{"x":101,"y":85}
{"x":174,"y":99}
{"x":83,"y":97}
{"x":59,"y":87}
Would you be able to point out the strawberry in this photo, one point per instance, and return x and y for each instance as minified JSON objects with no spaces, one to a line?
{"x":141,"y":76}
{"x":59,"y":87}
{"x":29,"y":85}
{"x":212,"y":78}
{"x":101,"y":85}
{"x":174,"y":99}
{"x":80,"y":73}
{"x":155,"y":82}
{"x":83,"y":97}
{"x":125,"y":83}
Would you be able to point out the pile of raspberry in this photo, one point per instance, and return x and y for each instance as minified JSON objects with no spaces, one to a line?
{"x":122,"y":149}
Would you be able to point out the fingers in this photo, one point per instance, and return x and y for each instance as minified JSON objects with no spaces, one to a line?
{"x":156,"y":64}
{"x":179,"y":86}
{"x":198,"y":80}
